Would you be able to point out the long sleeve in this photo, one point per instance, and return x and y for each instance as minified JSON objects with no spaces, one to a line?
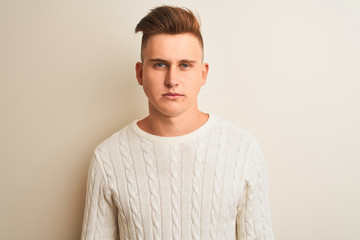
{"x":100,"y":213}
{"x":253,"y":220}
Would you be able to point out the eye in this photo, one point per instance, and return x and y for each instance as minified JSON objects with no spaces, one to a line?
{"x":185,"y":66}
{"x":159,"y":65}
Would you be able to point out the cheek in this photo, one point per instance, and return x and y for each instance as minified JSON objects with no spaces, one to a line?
{"x":152,"y":84}
{"x":148,"y":86}
{"x":153,"y":77}
{"x":195,"y":79}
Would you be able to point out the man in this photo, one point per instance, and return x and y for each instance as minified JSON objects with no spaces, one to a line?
{"x":179,"y":173}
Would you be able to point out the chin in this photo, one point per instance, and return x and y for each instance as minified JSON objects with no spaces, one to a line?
{"x":170,"y":109}
{"x":171,"y":112}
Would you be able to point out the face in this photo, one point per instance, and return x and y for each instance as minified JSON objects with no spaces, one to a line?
{"x":172,"y":73}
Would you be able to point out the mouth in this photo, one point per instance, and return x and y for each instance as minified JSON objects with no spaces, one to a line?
{"x":172,"y":96}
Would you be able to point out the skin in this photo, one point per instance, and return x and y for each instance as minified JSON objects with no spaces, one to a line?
{"x":172,"y":74}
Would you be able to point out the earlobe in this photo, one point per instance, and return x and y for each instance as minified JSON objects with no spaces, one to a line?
{"x":139,"y":72}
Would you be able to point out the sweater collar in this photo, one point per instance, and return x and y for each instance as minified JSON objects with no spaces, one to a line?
{"x":187,"y":137}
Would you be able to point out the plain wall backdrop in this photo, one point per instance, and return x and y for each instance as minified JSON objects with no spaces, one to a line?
{"x":288,"y":71}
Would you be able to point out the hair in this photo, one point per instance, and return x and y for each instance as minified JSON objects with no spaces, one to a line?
{"x":168,"y":20}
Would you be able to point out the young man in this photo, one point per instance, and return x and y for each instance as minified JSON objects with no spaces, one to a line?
{"x":179,"y":173}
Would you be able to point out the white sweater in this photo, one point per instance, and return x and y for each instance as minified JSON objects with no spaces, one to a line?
{"x":208,"y":184}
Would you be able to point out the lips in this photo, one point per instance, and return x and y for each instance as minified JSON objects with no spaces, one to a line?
{"x":172,"y":96}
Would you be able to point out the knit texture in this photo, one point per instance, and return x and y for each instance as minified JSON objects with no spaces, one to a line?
{"x":208,"y":184}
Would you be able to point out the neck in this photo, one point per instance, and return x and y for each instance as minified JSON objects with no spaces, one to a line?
{"x":173,"y":126}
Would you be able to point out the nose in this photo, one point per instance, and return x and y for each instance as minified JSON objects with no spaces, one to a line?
{"x":171,"y":80}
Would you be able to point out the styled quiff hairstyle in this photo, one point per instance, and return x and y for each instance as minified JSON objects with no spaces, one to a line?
{"x":168,"y":20}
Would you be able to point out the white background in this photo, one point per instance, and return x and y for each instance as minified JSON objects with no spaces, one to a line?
{"x":287,"y":71}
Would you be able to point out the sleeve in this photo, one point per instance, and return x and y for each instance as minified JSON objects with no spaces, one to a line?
{"x":100,"y":221}
{"x":253,"y":221}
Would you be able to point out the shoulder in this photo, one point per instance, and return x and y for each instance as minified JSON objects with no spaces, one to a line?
{"x":112,"y":144}
{"x":239,"y":139}
{"x":246,"y":143}
{"x":233,"y":131}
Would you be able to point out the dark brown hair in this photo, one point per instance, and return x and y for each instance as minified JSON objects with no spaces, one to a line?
{"x":168,"y":20}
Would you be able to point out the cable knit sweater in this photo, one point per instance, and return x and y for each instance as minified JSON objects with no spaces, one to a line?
{"x":209,"y":184}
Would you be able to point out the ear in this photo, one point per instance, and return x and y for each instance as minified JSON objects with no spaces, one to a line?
{"x":204,"y":73}
{"x":139,"y":72}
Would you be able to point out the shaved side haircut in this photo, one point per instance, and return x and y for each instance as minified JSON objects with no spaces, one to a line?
{"x":168,"y":20}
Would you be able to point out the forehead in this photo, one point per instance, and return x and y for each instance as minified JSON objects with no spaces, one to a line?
{"x":173,"y":47}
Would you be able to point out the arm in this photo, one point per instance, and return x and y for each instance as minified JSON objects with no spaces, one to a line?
{"x":253,"y":220}
{"x":100,"y":211}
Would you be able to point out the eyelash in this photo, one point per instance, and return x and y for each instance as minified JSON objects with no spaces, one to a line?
{"x":162,"y":65}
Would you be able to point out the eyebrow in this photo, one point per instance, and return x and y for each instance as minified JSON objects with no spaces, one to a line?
{"x":164,"y":61}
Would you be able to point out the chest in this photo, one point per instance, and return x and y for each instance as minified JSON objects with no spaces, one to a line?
{"x":191,"y":187}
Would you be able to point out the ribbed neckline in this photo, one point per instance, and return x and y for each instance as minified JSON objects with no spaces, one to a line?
{"x":187,"y":137}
